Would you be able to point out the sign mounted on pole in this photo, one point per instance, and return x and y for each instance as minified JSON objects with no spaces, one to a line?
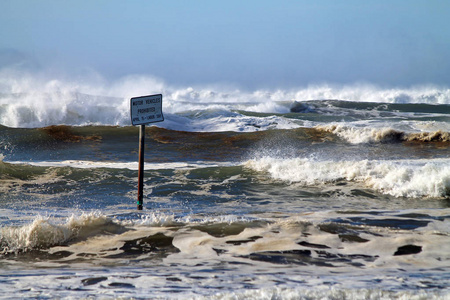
{"x":144,"y":110}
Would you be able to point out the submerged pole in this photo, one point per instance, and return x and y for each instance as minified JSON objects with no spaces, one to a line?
{"x":140,"y":195}
{"x":144,"y":110}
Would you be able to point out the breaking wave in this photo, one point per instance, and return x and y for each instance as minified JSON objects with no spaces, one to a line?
{"x":402,"y":178}
{"x":36,"y":100}
{"x":384,"y":135}
{"x":45,"y":232}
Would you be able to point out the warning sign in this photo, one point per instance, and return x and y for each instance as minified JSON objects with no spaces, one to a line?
{"x":146,"y":109}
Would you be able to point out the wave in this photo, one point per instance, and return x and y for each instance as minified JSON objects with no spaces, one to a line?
{"x":368,"y":249}
{"x":35,"y":100}
{"x":332,"y":235}
{"x":44,"y":232}
{"x":90,"y":146}
{"x":357,"y":135}
{"x":401,"y":178}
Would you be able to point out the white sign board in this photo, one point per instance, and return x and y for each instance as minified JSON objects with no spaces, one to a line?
{"x":146,"y":109}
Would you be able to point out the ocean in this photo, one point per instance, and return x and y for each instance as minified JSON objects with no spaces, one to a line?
{"x":319,"y":192}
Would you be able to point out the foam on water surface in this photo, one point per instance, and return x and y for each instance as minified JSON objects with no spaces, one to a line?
{"x":122,"y":165}
{"x":362,"y":134}
{"x":31,"y":100}
{"x":389,"y":250}
{"x":400,"y":178}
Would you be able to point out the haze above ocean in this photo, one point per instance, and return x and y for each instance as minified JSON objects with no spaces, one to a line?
{"x":321,"y":191}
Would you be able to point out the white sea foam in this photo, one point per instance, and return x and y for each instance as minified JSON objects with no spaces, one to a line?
{"x":360,"y":134}
{"x":83,"y":164}
{"x":401,"y":178}
{"x":371,"y":93}
{"x":44,"y":232}
{"x":323,"y":291}
{"x":92,"y":240}
{"x":37,"y":100}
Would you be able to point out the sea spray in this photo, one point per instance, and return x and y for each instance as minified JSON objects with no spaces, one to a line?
{"x":357,"y":135}
{"x":408,"y":178}
{"x":45,"y":232}
{"x":38,"y":100}
{"x":41,"y":233}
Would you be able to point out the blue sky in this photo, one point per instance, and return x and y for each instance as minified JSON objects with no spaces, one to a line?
{"x":247,"y":43}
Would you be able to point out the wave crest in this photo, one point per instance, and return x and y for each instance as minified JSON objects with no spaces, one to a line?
{"x":43,"y":232}
{"x":382,"y":135}
{"x":37,"y":100}
{"x":411,"y":179}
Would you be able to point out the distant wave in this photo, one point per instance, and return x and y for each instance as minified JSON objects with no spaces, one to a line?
{"x":35,"y":100}
{"x":370,"y":135}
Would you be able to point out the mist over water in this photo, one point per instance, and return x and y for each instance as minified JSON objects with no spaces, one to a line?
{"x":30,"y":99}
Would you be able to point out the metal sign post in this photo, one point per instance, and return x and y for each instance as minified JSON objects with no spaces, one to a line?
{"x":140,"y":194}
{"x":144,"y":110}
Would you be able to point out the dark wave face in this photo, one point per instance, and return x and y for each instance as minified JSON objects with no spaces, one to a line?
{"x":246,"y":195}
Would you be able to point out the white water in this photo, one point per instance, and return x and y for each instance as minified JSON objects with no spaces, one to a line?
{"x":358,"y":133}
{"x":37,"y":100}
{"x":83,"y":164}
{"x":101,"y":236}
{"x":399,"y":178}
{"x":420,"y":178}
{"x":103,"y":231}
